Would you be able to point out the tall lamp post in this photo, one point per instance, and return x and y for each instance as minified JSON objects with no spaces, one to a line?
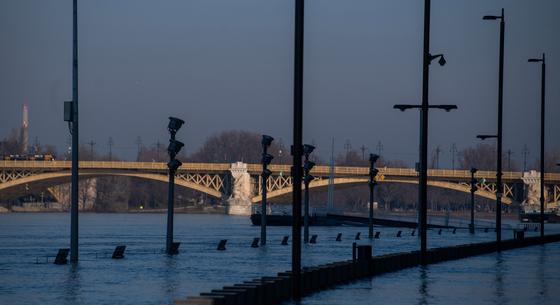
{"x":307,"y":166}
{"x":173,"y":164}
{"x":424,"y":108}
{"x":371,"y":183}
{"x":473,"y":190}
{"x":71,"y":116}
{"x":543,"y":80}
{"x":266,"y":159}
{"x":297,"y":149}
{"x":499,"y":186}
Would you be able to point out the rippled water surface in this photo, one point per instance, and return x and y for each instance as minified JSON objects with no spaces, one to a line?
{"x":146,"y":276}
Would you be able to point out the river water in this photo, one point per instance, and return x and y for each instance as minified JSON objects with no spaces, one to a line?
{"x":147,"y":276}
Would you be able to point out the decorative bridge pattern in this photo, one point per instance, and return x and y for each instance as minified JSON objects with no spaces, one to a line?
{"x":218,"y":180}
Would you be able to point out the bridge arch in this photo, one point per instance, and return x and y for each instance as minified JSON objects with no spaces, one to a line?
{"x":355,"y":181}
{"x":63,"y":176}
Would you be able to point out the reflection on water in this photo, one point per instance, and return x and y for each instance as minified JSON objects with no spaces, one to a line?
{"x":423,"y":290}
{"x":147,"y":276}
{"x":500,"y":269}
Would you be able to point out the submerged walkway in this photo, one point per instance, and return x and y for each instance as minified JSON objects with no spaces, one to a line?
{"x":274,"y":290}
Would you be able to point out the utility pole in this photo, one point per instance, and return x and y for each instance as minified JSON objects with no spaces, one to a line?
{"x":379,"y":148}
{"x":438,"y":151}
{"x":525,"y":154}
{"x":138,"y":142}
{"x":363,"y":149}
{"x":91,"y":144}
{"x":110,"y":143}
{"x":347,"y":146}
{"x":158,"y":148}
{"x":509,"y":153}
{"x":453,"y":152}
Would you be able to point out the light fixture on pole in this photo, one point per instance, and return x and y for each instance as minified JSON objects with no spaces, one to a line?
{"x":473,"y":190}
{"x":173,"y":164}
{"x":499,"y":184}
{"x":372,"y":183}
{"x":307,"y":166}
{"x":543,"y":82}
{"x":266,"y":159}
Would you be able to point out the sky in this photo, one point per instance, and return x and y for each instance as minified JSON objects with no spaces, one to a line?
{"x":223,"y":64}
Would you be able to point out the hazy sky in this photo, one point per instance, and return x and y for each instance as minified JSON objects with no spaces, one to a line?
{"x":224,"y":64}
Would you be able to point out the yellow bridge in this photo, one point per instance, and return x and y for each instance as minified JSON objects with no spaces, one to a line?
{"x":216,"y":179}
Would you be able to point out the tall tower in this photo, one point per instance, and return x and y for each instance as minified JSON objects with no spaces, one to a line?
{"x":25,"y":130}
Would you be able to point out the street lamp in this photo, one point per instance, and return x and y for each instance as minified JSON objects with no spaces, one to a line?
{"x":266,"y":159}
{"x":173,"y":164}
{"x":371,"y":183}
{"x":499,"y":186}
{"x":307,"y":166}
{"x":297,"y":148}
{"x":424,"y":107}
{"x":473,"y":190}
{"x":543,"y":80}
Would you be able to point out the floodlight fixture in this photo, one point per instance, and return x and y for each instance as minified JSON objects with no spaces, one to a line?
{"x":266,"y":140}
{"x":174,"y":164}
{"x":267,"y":158}
{"x":373,"y":158}
{"x":535,"y":60}
{"x":308,"y":178}
{"x":308,"y":165}
{"x":266,"y":173}
{"x":473,"y":170}
{"x":174,"y":124}
{"x":373,"y":172}
{"x":308,"y":149}
{"x":174,"y":147}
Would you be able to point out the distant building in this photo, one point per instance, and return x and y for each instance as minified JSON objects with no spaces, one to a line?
{"x":24,"y":136}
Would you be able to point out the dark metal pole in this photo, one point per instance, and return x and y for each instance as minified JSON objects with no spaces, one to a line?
{"x":370,"y":223}
{"x":499,"y":186}
{"x":306,"y":205}
{"x":423,"y":187}
{"x":75,"y":140}
{"x":264,"y":179}
{"x":170,"y":206}
{"x":473,"y":190}
{"x":297,"y":149}
{"x":543,"y":71}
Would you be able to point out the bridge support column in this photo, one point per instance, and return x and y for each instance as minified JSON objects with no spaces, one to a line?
{"x":239,"y":202}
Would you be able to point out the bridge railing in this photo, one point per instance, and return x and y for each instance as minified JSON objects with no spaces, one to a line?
{"x":256,"y":168}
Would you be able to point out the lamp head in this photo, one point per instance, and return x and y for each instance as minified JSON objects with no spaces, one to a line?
{"x":403,"y":107}
{"x":373,"y":172}
{"x":174,"y":164}
{"x":373,"y":158}
{"x":308,"y":178}
{"x":489,"y":17}
{"x":473,"y":170}
{"x":484,"y":137}
{"x":308,"y":149}
{"x":174,"y":124}
{"x":442,"y":61}
{"x":534,"y":60}
{"x":308,"y":165}
{"x":266,"y":173}
{"x":266,"y":140}
{"x":267,"y":158}
{"x":174,"y":147}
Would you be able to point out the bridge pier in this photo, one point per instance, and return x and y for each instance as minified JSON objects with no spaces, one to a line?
{"x":239,"y":203}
